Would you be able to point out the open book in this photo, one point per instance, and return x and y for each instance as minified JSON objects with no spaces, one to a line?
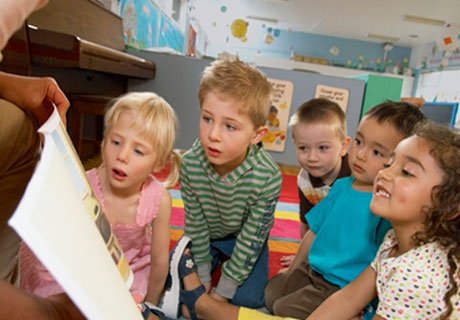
{"x":61,"y":221}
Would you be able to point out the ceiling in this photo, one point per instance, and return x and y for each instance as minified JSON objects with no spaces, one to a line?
{"x":355,"y":19}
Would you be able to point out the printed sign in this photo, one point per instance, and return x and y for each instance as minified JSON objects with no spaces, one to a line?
{"x":338,"y":95}
{"x":278,"y":116}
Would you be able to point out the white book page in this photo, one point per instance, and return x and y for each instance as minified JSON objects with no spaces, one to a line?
{"x":60,"y":220}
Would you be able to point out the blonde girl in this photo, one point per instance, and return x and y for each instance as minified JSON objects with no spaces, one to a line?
{"x":139,"y":134}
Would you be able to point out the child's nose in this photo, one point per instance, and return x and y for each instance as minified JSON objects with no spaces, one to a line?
{"x":361,"y":154}
{"x":123,"y":155}
{"x":312,"y":155}
{"x":384,"y":174}
{"x":214,"y":133}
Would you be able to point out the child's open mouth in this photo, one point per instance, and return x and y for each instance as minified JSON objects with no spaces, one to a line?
{"x":118,"y":174}
{"x":381,"y":192}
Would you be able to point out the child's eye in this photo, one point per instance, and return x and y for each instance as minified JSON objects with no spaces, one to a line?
{"x":230,"y":127}
{"x":324,"y":148}
{"x":139,"y":152}
{"x":357,"y":141}
{"x":407,"y":173}
{"x":378,"y":153}
{"x":386,"y":165}
{"x":115,"y":142}
{"x":302,"y":148}
{"x":206,"y":119}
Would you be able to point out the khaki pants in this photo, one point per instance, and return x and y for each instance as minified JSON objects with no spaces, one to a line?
{"x":297,"y":292}
{"x":19,"y":145}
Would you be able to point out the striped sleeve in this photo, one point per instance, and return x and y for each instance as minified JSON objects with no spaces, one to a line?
{"x":254,"y":231}
{"x":195,"y":222}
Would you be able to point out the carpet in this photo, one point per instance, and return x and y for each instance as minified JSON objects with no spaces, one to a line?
{"x":284,"y":236}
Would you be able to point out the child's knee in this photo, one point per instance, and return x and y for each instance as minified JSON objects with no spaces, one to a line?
{"x":253,"y":301}
{"x":280,"y":308}
{"x":272,"y":293}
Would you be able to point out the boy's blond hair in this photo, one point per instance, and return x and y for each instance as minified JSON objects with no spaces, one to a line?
{"x":320,"y":110}
{"x":156,"y":122}
{"x":231,"y":78}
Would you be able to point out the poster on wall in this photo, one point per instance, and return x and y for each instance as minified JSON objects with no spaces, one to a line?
{"x":140,"y":19}
{"x":338,"y":95}
{"x":278,"y":116}
{"x":170,"y":35}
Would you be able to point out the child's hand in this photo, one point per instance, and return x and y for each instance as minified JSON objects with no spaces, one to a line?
{"x":218,"y":297}
{"x":208,"y":286}
{"x":286,"y":260}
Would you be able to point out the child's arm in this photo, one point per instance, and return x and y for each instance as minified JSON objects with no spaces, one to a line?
{"x":196,"y":228}
{"x":350,"y":300}
{"x":302,"y":252}
{"x":251,"y":239}
{"x":159,"y":252}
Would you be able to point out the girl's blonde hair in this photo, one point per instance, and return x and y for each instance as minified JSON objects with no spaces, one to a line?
{"x":156,"y":122}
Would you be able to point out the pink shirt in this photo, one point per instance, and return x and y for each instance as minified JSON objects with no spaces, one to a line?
{"x":134,"y":239}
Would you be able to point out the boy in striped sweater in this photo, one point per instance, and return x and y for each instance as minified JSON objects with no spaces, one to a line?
{"x":230,"y":184}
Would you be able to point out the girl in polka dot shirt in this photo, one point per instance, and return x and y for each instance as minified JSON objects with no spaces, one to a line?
{"x":415,"y":274}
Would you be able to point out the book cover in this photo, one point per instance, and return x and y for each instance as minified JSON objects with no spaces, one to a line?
{"x":61,"y":221}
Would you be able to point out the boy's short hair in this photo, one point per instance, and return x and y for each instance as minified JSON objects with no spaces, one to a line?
{"x":402,"y":116}
{"x":320,"y":110}
{"x":234,"y":79}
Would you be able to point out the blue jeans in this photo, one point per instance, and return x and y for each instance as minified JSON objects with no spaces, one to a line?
{"x":251,"y":292}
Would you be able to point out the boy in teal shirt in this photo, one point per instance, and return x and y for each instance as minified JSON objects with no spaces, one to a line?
{"x":344,"y":235}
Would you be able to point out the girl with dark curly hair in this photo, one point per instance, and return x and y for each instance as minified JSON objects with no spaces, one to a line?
{"x":416,"y":271}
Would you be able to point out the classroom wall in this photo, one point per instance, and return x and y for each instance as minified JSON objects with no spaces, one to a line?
{"x":354,"y":54}
{"x":147,"y":25}
{"x":177,"y":80}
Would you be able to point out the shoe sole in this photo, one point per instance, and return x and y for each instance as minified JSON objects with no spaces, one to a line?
{"x":170,"y":305}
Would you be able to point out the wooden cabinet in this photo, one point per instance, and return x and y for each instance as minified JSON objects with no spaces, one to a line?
{"x":86,"y":19}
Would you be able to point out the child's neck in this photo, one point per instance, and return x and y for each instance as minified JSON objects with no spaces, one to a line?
{"x":329,"y":178}
{"x":404,"y":240}
{"x":362,"y":186}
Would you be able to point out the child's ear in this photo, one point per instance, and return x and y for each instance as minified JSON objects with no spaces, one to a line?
{"x":345,"y":145}
{"x":259,"y":134}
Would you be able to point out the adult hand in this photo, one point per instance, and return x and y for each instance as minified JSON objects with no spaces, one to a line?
{"x":34,"y":94}
{"x":418,"y":102}
{"x":13,"y":14}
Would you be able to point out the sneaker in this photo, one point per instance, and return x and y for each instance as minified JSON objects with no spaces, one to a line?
{"x":148,"y":308}
{"x":170,"y":302}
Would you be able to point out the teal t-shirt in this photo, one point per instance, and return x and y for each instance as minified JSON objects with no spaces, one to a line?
{"x":348,"y":234}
